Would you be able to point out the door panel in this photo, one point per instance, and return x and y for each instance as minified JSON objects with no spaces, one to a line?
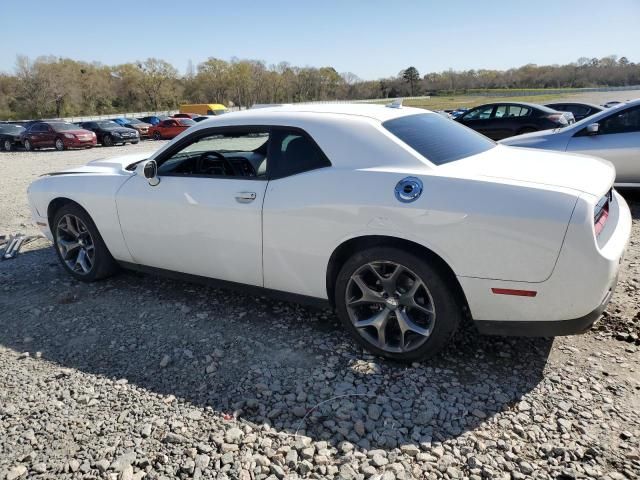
{"x":195,"y":225}
{"x":621,"y":149}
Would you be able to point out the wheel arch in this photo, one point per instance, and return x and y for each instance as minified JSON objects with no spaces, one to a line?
{"x":56,"y":204}
{"x":342,"y":253}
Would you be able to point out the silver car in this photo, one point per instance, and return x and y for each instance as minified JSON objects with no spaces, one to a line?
{"x":613,"y":134}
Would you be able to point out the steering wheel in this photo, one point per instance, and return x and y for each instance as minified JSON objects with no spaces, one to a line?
{"x":205,"y":157}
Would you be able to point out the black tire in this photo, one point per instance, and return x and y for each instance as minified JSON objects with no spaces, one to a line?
{"x":157,"y":136}
{"x":7,"y":145}
{"x":103,"y":264}
{"x":135,"y":143}
{"x":59,"y":144}
{"x":446,"y":305}
{"x":28,"y":146}
{"x":107,"y":141}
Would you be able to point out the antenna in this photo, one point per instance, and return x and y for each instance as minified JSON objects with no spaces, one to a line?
{"x":397,"y":103}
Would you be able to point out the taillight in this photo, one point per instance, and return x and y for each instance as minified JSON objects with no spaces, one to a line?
{"x":558,"y":118}
{"x":601,"y":212}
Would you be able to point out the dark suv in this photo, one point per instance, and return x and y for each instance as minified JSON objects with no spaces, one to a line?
{"x":110,"y":133}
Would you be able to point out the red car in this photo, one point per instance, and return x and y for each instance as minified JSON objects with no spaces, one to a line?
{"x":185,"y":115}
{"x":58,"y":135}
{"x":172,"y":127}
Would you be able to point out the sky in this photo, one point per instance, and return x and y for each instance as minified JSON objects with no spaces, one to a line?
{"x":371,"y":38}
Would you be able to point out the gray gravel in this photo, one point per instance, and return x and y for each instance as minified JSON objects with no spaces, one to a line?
{"x":143,"y":377}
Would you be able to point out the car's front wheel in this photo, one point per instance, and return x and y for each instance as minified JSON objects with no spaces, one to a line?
{"x":7,"y":145}
{"x":79,"y":246}
{"x":157,"y":136}
{"x":59,"y":144}
{"x":27,"y":145}
{"x":396,"y":304}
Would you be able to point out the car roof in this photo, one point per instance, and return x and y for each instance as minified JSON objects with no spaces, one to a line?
{"x":524,"y":104}
{"x":592,"y":105}
{"x":378,"y":112}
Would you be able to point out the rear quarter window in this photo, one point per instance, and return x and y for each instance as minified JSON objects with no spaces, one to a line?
{"x":438,"y":139}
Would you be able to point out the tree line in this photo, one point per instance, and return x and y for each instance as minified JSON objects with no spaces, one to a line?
{"x":58,"y":87}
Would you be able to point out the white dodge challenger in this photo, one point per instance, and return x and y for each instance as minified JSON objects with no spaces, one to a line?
{"x":402,"y":220}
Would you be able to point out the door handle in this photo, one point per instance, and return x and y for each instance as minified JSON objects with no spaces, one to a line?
{"x":245,"y":197}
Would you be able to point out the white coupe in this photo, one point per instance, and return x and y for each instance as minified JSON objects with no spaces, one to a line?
{"x":402,"y":220}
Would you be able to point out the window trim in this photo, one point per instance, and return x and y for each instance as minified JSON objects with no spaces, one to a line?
{"x":271,"y":159}
{"x":274,"y":159}
{"x":491,"y":115}
{"x":166,"y":155}
{"x":583,"y":131}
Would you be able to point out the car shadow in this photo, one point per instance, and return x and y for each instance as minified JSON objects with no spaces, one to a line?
{"x":261,"y":360}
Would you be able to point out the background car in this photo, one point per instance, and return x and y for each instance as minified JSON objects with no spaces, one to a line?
{"x":141,"y":127}
{"x":170,"y":128}
{"x":579,"y":110}
{"x":502,"y":120}
{"x":185,"y":115}
{"x":10,"y":136}
{"x":459,"y":111}
{"x":612,"y":103}
{"x":444,"y":225}
{"x":109,"y":133}
{"x":57,"y":134}
{"x":153,"y":119}
{"x":613,"y":134}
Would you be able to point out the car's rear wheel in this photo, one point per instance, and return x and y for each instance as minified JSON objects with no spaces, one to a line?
{"x":59,"y":144}
{"x":7,"y":145}
{"x":79,"y":246}
{"x":395,"y":304}
{"x":27,"y":145}
{"x":107,"y":141}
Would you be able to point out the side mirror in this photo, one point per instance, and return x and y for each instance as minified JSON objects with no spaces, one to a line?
{"x":150,"y":172}
{"x":593,"y":128}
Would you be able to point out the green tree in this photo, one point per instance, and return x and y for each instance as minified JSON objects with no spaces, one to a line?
{"x":412,"y":77}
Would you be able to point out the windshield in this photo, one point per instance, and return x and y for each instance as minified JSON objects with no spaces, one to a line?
{"x":133,"y":120}
{"x":61,"y":127}
{"x":437,"y":138}
{"x":187,"y":122}
{"x":9,"y":128}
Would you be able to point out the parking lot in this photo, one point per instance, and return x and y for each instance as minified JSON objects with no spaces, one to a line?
{"x":144,"y":377}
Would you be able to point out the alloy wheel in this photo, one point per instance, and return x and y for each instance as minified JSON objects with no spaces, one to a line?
{"x":59,"y":144}
{"x":75,"y":244}
{"x":7,"y":145}
{"x":27,"y":145}
{"x":390,"y":306}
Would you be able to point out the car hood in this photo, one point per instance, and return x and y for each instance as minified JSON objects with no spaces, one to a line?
{"x":107,"y":166}
{"x":78,"y":131}
{"x":119,"y":130}
{"x":573,"y":171}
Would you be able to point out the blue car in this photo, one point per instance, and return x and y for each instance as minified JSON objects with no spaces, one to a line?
{"x":153,"y":119}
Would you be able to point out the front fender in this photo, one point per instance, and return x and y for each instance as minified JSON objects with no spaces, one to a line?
{"x":94,"y":193}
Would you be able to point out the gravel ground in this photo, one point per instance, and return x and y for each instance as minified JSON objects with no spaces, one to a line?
{"x":142,"y":377}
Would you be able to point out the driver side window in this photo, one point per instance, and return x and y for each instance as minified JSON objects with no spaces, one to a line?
{"x":482,"y":113}
{"x":626,"y":121}
{"x":228,"y":154}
